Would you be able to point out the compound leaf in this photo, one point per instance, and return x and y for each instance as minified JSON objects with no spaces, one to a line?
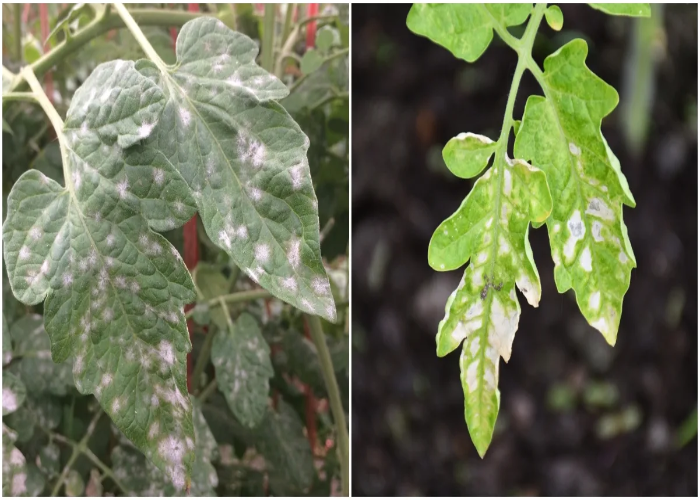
{"x":491,"y":229}
{"x":114,"y":290}
{"x":465,"y":30}
{"x":244,"y":158}
{"x":561,"y":135}
{"x":241,"y":358}
{"x":624,"y":9}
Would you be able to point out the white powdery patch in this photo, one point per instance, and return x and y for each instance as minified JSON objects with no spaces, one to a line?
{"x":585,"y":260}
{"x":290,"y":283}
{"x":469,"y":323}
{"x":242,"y":232}
{"x":574,"y":149}
{"x":308,"y":306}
{"x":594,"y":301}
{"x":166,"y":352}
{"x":35,"y":233}
{"x":122,"y":188}
{"x":482,"y":138}
{"x":24,"y":253}
{"x":9,"y":400}
{"x":598,"y":208}
{"x":134,"y":287}
{"x":154,"y":429}
{"x":16,"y":457}
{"x":116,"y":405}
{"x":77,"y":179}
{"x":106,"y":380}
{"x":67,"y":279}
{"x":145,"y":130}
{"x":297,"y":174}
{"x":225,"y":239}
{"x":577,"y":230}
{"x":78,"y":364}
{"x":234,"y":80}
{"x":321,"y":286}
{"x":158,"y":176}
{"x":190,"y":443}
{"x":19,"y":484}
{"x":185,"y":116}
{"x":529,"y":290}
{"x":254,"y":274}
{"x":172,"y":450}
{"x":481,"y":258}
{"x":262,"y":252}
{"x":120,"y":281}
{"x":504,"y":323}
{"x":503,"y":246}
{"x":507,"y":182}
{"x":108,"y":315}
{"x":255,"y":193}
{"x":622,"y":256}
{"x":109,"y":240}
{"x":294,"y":252}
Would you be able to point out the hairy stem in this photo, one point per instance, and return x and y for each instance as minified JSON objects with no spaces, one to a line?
{"x":324,"y":356}
{"x":203,"y":358}
{"x":268,"y":41}
{"x":233,"y":298}
{"x":206,"y":392}
{"x":99,"y":26}
{"x":139,"y":36}
{"x":17,"y":18}
{"x":335,"y":55}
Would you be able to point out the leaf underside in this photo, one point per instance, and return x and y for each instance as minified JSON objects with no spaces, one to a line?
{"x":624,"y":9}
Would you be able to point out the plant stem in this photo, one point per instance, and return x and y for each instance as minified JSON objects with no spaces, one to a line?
{"x":100,"y":26}
{"x":335,"y":55}
{"x":139,"y":36}
{"x":203,"y":358}
{"x":288,"y":21}
{"x":211,"y":387}
{"x":324,"y":356}
{"x":19,"y":96}
{"x":233,"y":298}
{"x":268,"y":41}
{"x":64,"y":473}
{"x":105,"y":470}
{"x":17,"y":18}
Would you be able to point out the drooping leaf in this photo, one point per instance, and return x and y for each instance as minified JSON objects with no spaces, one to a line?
{"x":490,"y":228}
{"x":286,"y":450}
{"x":36,"y":369}
{"x":6,"y":342}
{"x":624,"y":9}
{"x":244,"y":158}
{"x":465,"y":30}
{"x":114,"y":289}
{"x":211,"y":283}
{"x":13,"y":392}
{"x":561,"y":135}
{"x":204,"y":476}
{"x":241,"y":357}
{"x":74,"y":486}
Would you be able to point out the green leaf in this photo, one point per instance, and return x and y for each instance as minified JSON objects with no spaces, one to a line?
{"x":554,"y":17}
{"x":241,"y":357}
{"x":204,"y":476}
{"x":13,"y":392}
{"x":287,"y":452}
{"x":211,"y":283}
{"x":467,"y":154}
{"x":73,"y":14}
{"x":311,"y":61}
{"x":18,"y":477}
{"x":244,"y":158}
{"x":327,"y":38}
{"x":114,"y":290}
{"x":561,"y":135}
{"x":624,"y":9}
{"x":75,"y":486}
{"x":465,"y":30}
{"x":36,"y":369}
{"x":49,"y":460}
{"x":491,"y":229}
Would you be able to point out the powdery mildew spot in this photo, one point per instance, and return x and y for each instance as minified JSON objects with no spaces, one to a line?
{"x":154,"y":429}
{"x":242,"y":232}
{"x":225,"y":238}
{"x":529,"y":290}
{"x":504,"y":323}
{"x":145,"y":130}
{"x":585,"y":260}
{"x":574,"y":149}
{"x":24,"y":253}
{"x":16,"y":457}
{"x":185,"y":116}
{"x":262,"y":252}
{"x":158,"y":176}
{"x":577,"y":230}
{"x":35,"y":233}
{"x":19,"y":484}
{"x":67,"y":279}
{"x":290,"y":283}
{"x":481,"y":138}
{"x":9,"y":400}
{"x":297,"y":174}
{"x":507,"y":182}
{"x":294,"y":252}
{"x":481,"y":258}
{"x":598,"y":208}
{"x":116,"y":405}
{"x":122,"y":187}
{"x":594,"y":301}
{"x":321,"y":286}
{"x":622,"y":256}
{"x":166,"y":352}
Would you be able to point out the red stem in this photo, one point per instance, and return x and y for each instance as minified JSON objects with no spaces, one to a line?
{"x":311,"y":27}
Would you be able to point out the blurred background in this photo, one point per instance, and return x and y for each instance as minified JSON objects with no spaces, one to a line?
{"x":577,"y":417}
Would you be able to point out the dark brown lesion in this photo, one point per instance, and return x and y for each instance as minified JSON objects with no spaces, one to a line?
{"x":490,"y":283}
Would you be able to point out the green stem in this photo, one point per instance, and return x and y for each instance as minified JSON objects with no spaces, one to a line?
{"x":233,"y":298}
{"x":211,"y":387}
{"x":105,"y":470}
{"x":329,"y":98}
{"x":18,"y":32}
{"x":203,"y":358}
{"x":139,"y":36}
{"x":268,"y":41}
{"x":19,"y":96}
{"x":99,"y":26}
{"x":335,"y":55}
{"x":288,"y":21}
{"x":324,"y":356}
{"x":62,"y":478}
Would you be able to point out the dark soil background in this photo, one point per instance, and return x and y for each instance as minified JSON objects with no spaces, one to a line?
{"x":577,"y":416}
